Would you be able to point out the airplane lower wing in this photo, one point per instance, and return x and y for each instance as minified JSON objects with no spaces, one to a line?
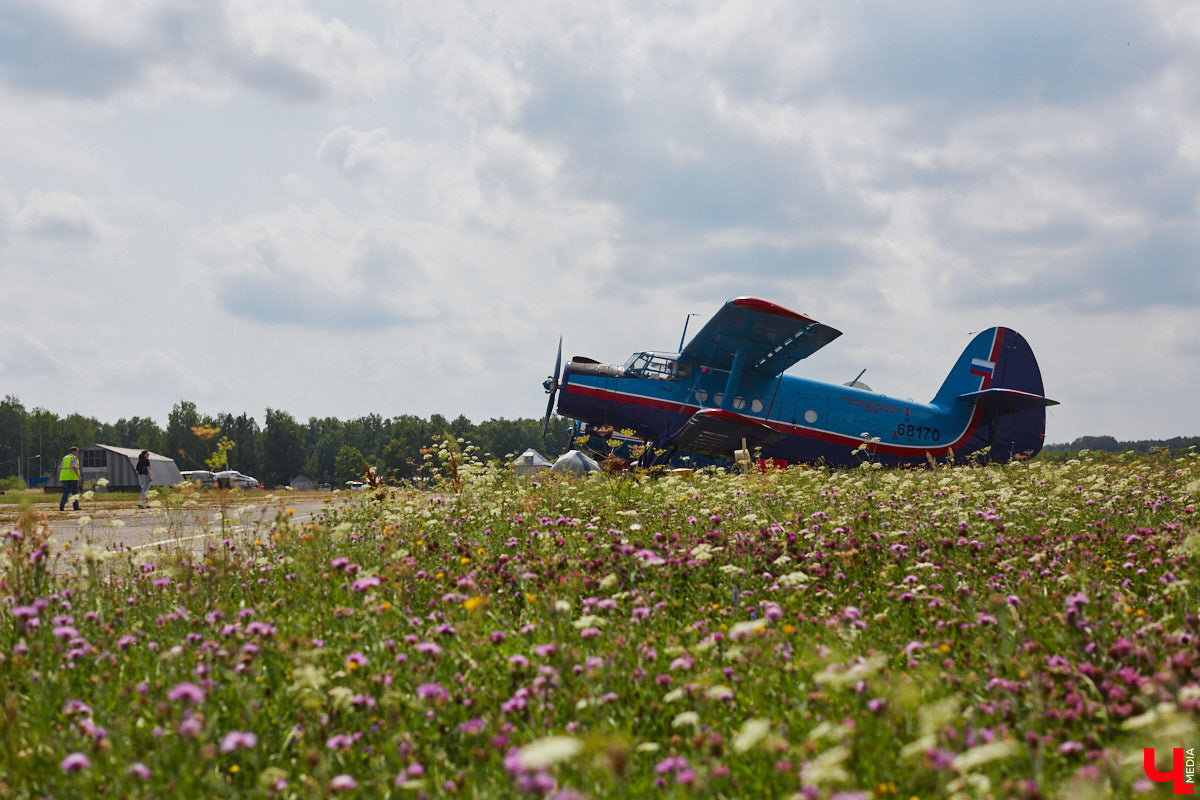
{"x":999,"y":399}
{"x":718,"y":432}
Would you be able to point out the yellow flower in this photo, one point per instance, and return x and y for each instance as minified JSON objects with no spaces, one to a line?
{"x":464,"y":560}
{"x":472,"y":603}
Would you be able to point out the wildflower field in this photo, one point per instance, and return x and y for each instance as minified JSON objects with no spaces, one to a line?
{"x":1017,"y":631}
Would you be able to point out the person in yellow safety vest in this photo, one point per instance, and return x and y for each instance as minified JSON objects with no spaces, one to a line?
{"x":70,"y":474}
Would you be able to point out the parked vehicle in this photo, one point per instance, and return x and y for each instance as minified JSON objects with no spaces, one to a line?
{"x":232,"y":479}
{"x":200,"y":476}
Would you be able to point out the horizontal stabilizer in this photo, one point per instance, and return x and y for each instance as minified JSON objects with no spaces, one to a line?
{"x":719,"y":432}
{"x":999,"y":399}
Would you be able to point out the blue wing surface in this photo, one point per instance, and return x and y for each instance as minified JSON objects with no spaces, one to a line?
{"x":770,"y":337}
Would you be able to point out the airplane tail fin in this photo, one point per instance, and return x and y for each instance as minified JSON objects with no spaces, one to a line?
{"x":999,"y":375}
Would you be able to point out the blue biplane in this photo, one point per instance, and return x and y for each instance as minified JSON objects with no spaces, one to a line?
{"x":725,"y":391}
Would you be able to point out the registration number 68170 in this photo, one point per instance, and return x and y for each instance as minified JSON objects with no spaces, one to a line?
{"x":919,"y":432}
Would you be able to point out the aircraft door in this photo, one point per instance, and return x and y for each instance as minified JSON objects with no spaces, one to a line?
{"x":811,"y":411}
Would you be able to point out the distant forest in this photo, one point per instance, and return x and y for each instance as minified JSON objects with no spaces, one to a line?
{"x":32,"y":442}
{"x":1108,"y":444}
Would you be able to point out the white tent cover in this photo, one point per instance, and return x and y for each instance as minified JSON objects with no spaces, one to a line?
{"x":575,"y":461}
{"x":531,"y":458}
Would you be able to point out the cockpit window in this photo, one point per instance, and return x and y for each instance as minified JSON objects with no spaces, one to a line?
{"x":656,"y":366}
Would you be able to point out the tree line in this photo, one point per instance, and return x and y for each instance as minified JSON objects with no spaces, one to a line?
{"x":327,"y":450}
{"x":1109,"y":444}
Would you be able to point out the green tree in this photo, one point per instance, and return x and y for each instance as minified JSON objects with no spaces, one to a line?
{"x":282,"y":448}
{"x":245,"y":434}
{"x":348,"y":466}
{"x":12,"y":437}
{"x":188,"y":449}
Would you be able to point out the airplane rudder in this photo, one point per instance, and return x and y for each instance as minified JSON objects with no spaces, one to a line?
{"x":1016,"y":366}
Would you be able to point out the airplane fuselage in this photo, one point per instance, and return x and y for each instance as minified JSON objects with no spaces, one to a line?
{"x":728,"y":387}
{"x":820,"y":421}
{"x":816,"y":421}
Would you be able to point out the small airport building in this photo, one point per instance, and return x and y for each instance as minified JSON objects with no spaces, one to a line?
{"x":116,"y":464}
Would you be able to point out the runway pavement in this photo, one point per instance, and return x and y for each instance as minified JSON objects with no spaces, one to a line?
{"x":189,"y":525}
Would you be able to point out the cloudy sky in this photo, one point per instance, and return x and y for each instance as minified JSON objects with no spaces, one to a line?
{"x":338,"y":207}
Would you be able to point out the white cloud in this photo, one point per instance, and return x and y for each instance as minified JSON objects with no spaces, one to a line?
{"x":281,"y":47}
{"x":315,"y":268}
{"x":26,"y":354}
{"x":456,"y":182}
{"x":58,"y":216}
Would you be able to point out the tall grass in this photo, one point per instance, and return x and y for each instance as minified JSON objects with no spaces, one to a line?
{"x":1007,"y":631}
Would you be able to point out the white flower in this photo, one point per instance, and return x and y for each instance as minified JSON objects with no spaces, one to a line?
{"x":796,"y":578}
{"x":686,"y":718}
{"x":753,"y":731}
{"x":827,"y":767}
{"x":548,"y":752}
{"x":984,"y":754}
{"x":719,"y":693}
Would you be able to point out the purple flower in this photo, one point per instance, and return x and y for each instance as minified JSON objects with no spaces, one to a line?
{"x":75,"y":762}
{"x":187,"y":693}
{"x":472,"y":727}
{"x":238,"y":740}
{"x":355,"y":659}
{"x":671,"y":764}
{"x":362,"y":584}
{"x":432,"y":691}
{"x":338,"y":741}
{"x":138,"y":770}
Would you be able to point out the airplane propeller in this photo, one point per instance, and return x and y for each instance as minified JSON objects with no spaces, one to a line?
{"x":551,"y":387}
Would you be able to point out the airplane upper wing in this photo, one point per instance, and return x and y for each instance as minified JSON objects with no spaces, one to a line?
{"x":770,"y":337}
